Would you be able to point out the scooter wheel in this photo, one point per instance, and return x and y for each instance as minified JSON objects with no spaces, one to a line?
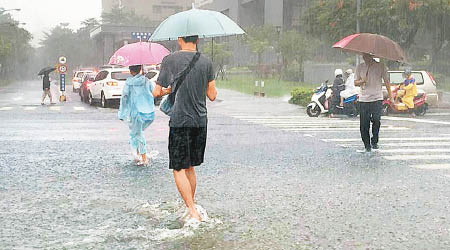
{"x":422,"y":110}
{"x":313,"y":112}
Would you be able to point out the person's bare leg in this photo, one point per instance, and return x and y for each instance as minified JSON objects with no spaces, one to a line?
{"x":190,"y":174}
{"x":342,"y":102}
{"x":144,"y":157}
{"x":184,"y":188}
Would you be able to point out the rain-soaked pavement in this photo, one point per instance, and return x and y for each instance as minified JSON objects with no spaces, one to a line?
{"x":273,"y":179}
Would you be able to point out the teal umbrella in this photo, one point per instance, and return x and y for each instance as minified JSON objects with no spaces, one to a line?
{"x":203,"y":23}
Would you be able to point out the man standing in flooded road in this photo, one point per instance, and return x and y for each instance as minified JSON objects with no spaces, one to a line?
{"x":369,"y":76}
{"x":188,"y":119}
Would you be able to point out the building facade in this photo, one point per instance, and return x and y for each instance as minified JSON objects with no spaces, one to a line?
{"x":155,"y":10}
{"x":286,"y":14}
{"x":109,"y":38}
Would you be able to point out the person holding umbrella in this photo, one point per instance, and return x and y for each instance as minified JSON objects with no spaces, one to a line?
{"x":369,"y":76}
{"x":46,"y":89}
{"x":188,"y":118}
{"x":137,"y":107}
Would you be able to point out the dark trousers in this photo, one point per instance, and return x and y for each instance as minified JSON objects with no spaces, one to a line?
{"x":370,"y":112}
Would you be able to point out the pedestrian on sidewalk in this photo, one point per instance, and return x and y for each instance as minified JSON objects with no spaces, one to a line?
{"x":188,"y":119}
{"x":137,"y":107}
{"x":369,"y":76}
{"x":46,"y":89}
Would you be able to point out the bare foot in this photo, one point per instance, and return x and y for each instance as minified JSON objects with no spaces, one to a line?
{"x":194,"y":214}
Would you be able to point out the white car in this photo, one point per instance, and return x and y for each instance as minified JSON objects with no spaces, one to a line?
{"x":108,"y":85}
{"x":76,"y":79}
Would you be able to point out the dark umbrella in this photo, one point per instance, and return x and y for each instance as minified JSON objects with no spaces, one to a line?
{"x":373,"y":44}
{"x":46,"y":70}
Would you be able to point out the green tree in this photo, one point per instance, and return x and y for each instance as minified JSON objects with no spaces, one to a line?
{"x":260,"y":39}
{"x":335,"y":19}
{"x":220,"y":54}
{"x":15,"y":48}
{"x":294,"y":48}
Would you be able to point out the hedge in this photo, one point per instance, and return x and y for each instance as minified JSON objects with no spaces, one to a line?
{"x":301,"y":96}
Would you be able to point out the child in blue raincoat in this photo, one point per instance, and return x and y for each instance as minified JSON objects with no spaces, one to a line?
{"x":137,"y":107}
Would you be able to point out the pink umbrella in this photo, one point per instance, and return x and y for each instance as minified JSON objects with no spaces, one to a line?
{"x":140,"y":53}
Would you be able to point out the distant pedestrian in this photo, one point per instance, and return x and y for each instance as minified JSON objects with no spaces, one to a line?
{"x":137,"y":107}
{"x":188,"y":120}
{"x":369,"y":76}
{"x":46,"y":89}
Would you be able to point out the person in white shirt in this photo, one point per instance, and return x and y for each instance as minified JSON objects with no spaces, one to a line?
{"x":350,"y":88}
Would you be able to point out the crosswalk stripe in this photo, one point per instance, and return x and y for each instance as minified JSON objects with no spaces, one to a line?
{"x":438,"y":114}
{"x":392,"y":139}
{"x":416,"y":157}
{"x":415,"y":150}
{"x":281,"y":125}
{"x":29,"y":108}
{"x":400,"y":144}
{"x":5,"y":108}
{"x":391,"y":118}
{"x":315,"y":129}
{"x":79,"y":108}
{"x":431,"y":166}
{"x":55,"y":108}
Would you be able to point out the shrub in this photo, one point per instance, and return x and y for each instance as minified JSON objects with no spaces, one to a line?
{"x":301,"y":96}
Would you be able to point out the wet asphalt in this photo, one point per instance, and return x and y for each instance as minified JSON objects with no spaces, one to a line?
{"x":67,"y":181}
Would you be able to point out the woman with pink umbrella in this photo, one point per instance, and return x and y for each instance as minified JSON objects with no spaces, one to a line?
{"x":137,"y":102}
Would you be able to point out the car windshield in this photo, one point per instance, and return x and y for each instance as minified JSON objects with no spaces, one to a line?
{"x":121,"y":76}
{"x":397,"y":77}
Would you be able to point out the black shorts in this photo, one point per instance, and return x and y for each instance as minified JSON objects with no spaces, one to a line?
{"x":186,"y":147}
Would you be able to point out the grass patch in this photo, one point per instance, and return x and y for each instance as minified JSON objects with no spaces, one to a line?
{"x":272,"y":86}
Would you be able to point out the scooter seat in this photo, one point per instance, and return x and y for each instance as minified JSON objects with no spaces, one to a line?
{"x":350,"y":99}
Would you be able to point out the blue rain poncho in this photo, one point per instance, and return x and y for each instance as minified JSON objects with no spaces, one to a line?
{"x":137,"y":107}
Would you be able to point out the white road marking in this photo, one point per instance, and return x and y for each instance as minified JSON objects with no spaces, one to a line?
{"x":315,"y":129}
{"x":79,"y":108}
{"x":417,"y":157}
{"x":29,"y":108}
{"x":415,"y":150}
{"x":268,"y":117}
{"x":391,"y":118}
{"x":55,"y":108}
{"x":432,"y":166}
{"x":438,"y":114}
{"x":5,"y":108}
{"x":18,"y":98}
{"x":392,"y":139}
{"x":400,"y":144}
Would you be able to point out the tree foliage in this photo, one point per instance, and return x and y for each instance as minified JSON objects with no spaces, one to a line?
{"x":15,"y":48}
{"x":77,"y":46}
{"x":401,"y":20}
{"x":260,"y":39}
{"x":220,"y":54}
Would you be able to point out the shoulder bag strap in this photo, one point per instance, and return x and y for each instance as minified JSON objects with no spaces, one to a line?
{"x":180,"y":79}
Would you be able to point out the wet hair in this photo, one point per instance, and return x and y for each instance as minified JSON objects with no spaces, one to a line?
{"x":190,"y":39}
{"x":135,"y":68}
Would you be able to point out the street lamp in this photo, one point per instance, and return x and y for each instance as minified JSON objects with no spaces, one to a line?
{"x":3,"y":11}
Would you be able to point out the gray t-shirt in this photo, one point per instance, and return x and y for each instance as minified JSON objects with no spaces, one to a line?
{"x":371,"y":91}
{"x":189,"y":109}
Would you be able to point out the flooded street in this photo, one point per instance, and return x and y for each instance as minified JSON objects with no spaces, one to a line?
{"x":68,"y":181}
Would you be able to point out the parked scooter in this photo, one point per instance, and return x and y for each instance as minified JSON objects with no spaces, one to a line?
{"x":321,"y":101}
{"x":420,"y":105}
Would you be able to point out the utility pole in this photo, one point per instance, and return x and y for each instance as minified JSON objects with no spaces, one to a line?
{"x":358,"y":12}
